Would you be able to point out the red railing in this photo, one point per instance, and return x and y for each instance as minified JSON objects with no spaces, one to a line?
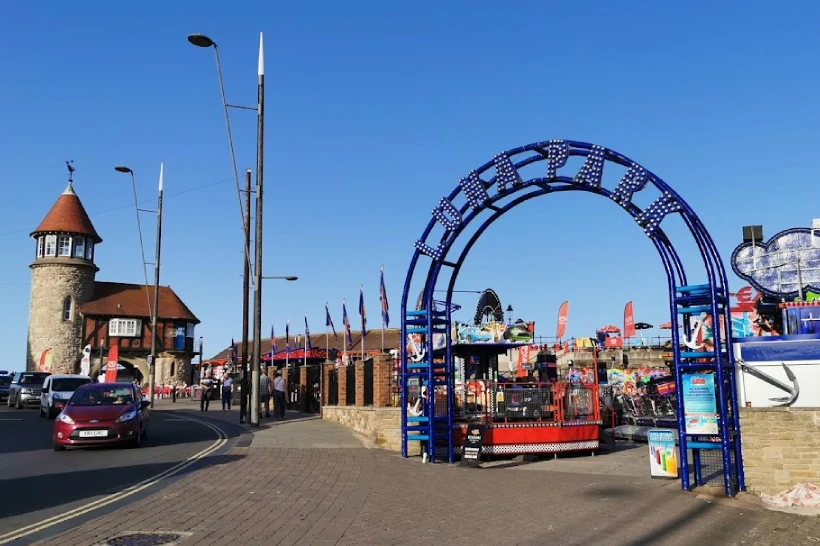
{"x":501,"y":402}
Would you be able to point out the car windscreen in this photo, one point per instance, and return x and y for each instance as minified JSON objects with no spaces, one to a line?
{"x":33,"y":378}
{"x":102,"y":396}
{"x":5,"y":380}
{"x":68,"y":384}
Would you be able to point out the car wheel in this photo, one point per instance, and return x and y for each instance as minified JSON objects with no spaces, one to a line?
{"x":51,"y":413}
{"x":136,"y":443}
{"x":145,"y":433}
{"x":18,"y":404}
{"x":42,"y":414}
{"x":58,"y":447}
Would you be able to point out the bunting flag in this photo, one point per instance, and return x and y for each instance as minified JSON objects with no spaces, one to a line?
{"x":346,"y":322}
{"x":329,"y":322}
{"x":287,"y":336}
{"x":362,"y":312}
{"x":563,"y":311}
{"x":273,"y":347}
{"x":383,"y":300}
{"x":629,"y":321}
{"x":307,"y":336}
{"x":112,"y":364}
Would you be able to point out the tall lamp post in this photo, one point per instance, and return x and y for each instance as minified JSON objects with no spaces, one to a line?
{"x":200,"y":40}
{"x":153,"y":309}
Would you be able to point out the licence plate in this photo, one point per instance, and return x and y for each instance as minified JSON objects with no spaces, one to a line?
{"x":93,"y":433}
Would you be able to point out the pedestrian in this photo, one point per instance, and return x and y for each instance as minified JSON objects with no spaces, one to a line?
{"x":227,"y":392}
{"x":279,"y":395}
{"x":264,"y":394}
{"x":205,"y":386}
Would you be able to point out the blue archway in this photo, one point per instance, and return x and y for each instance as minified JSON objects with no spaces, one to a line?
{"x":497,"y":187}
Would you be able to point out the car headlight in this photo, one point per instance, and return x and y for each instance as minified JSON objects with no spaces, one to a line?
{"x":65,"y":419}
{"x":56,"y":396}
{"x":127,"y":416}
{"x":25,"y":391}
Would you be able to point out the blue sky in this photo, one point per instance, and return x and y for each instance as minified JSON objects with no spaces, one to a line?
{"x":374,"y":112}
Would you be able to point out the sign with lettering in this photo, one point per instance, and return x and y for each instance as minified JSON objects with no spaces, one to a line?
{"x":473,"y":445}
{"x":699,"y":403}
{"x":663,"y":459}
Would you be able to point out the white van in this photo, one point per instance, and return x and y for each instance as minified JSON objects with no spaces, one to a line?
{"x":57,"y":389}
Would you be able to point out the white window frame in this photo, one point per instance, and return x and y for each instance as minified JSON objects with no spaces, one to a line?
{"x":41,"y":246}
{"x":64,"y":246}
{"x":51,"y":246}
{"x":89,"y":249}
{"x":69,"y":310}
{"x":122,"y":327}
{"x":79,"y":247}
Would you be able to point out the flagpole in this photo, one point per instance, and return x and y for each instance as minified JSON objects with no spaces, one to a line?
{"x":327,"y":333}
{"x":306,"y":339}
{"x":287,"y":345}
{"x":344,"y":335}
{"x":381,"y":298}
{"x":361,"y":296}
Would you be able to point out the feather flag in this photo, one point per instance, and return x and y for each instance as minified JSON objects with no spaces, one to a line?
{"x":383,"y":300}
{"x":287,"y":336}
{"x":329,"y":322}
{"x":346,"y":322}
{"x":272,"y":341}
{"x":307,"y":336}
{"x":362,"y":312}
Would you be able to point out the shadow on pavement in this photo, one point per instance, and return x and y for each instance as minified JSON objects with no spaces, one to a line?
{"x":33,"y":493}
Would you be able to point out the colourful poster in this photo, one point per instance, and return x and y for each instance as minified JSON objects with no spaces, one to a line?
{"x":663,"y":459}
{"x":699,"y":404}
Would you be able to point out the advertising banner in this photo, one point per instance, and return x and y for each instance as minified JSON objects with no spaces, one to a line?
{"x":112,"y":364}
{"x":699,"y":403}
{"x":663,"y":461}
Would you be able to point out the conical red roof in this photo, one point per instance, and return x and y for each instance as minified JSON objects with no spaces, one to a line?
{"x":68,"y":216}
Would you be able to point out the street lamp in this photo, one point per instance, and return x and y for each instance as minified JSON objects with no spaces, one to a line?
{"x":200,"y":40}
{"x":286,"y":278}
{"x":153,"y":310}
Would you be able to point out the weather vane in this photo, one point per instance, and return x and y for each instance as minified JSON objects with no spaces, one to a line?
{"x":71,"y":169}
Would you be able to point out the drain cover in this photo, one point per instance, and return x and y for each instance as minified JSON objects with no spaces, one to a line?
{"x":144,"y":539}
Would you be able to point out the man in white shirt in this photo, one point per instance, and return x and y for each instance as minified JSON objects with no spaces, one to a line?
{"x":279,"y":388}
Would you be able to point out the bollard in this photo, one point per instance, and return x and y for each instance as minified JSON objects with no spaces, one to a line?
{"x":174,"y":394}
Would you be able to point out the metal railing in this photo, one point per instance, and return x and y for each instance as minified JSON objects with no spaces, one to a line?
{"x":501,"y":402}
{"x":368,"y":382}
{"x":333,"y":387}
{"x":350,"y":386}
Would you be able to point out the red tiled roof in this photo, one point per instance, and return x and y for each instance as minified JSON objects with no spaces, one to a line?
{"x":372,"y":342}
{"x":68,"y":216}
{"x":129,"y":300}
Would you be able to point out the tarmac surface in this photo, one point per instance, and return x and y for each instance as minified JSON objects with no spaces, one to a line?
{"x":308,"y":481}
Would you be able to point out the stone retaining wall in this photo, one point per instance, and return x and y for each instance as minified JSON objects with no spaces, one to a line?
{"x":781,"y":447}
{"x":382,"y":426}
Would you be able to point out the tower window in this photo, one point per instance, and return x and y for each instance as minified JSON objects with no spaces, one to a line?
{"x":67,"y":308}
{"x":79,"y":247}
{"x":89,"y":249}
{"x":51,"y":245}
{"x":64,"y":245}
{"x":41,"y":246}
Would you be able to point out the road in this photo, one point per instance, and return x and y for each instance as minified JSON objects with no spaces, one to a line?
{"x":37,"y":483}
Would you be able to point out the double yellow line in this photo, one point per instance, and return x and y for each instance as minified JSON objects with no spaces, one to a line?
{"x":221,"y":440}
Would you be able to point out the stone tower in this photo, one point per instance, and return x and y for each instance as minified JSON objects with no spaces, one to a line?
{"x":62,"y":278}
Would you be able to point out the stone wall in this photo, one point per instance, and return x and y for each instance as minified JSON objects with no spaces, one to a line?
{"x":382,"y":426}
{"x":52,"y":280}
{"x":781,"y":447}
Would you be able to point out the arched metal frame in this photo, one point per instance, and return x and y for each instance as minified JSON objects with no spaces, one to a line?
{"x":504,"y":170}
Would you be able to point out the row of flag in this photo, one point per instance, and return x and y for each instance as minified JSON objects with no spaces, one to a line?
{"x":385,"y":309}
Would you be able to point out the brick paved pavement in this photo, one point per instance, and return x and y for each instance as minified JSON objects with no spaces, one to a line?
{"x":313,"y":494}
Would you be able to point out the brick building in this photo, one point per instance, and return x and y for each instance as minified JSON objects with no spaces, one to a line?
{"x":70,"y":309}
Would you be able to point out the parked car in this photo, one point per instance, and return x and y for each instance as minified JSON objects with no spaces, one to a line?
{"x":25,"y":389}
{"x":5,"y":382}
{"x":57,"y":390}
{"x":103,"y":413}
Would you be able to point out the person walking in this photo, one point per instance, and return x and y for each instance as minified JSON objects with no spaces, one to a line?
{"x":264,"y":394}
{"x":227,"y":392}
{"x":279,"y":395}
{"x":205,"y":385}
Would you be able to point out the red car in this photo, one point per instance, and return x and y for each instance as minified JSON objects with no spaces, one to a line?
{"x":102,"y":414}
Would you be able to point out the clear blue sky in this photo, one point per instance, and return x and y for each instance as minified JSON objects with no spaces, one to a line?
{"x":374,"y":112}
